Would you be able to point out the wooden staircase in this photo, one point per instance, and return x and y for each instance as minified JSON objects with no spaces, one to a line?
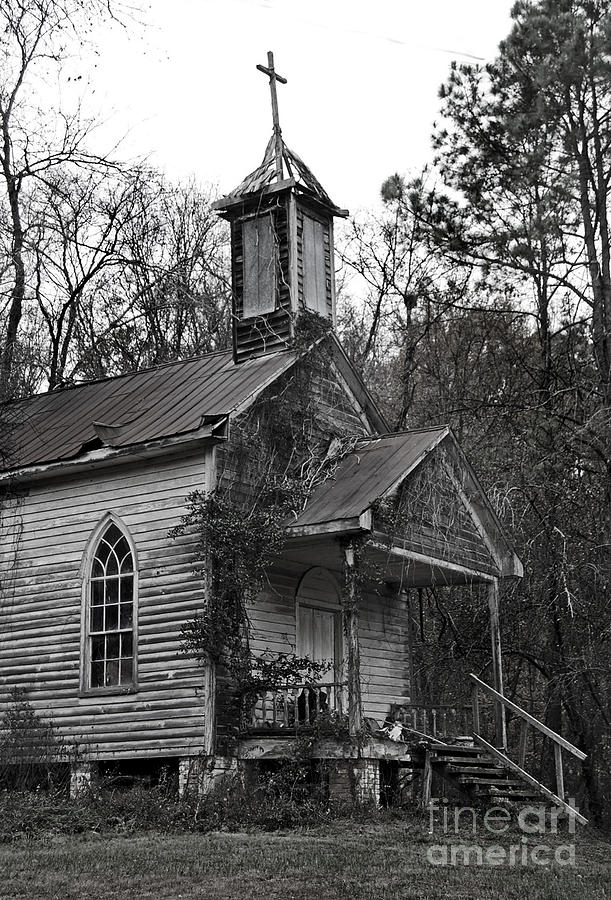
{"x":478,"y":774}
{"x":485,"y":772}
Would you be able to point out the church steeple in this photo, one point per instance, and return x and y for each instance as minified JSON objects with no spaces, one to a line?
{"x":281,"y":245}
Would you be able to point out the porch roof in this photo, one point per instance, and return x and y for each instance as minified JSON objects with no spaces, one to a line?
{"x":372,"y":470}
{"x":377,"y":467}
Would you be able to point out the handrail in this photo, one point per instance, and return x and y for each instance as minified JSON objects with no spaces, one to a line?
{"x":296,"y":685}
{"x":553,"y":735}
{"x":462,"y":706}
{"x":558,"y":799}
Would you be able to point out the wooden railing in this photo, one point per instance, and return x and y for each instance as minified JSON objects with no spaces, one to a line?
{"x":440,"y":721}
{"x":292,"y":706}
{"x":527,"y":722}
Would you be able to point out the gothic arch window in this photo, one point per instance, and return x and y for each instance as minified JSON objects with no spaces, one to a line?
{"x":110,"y":611}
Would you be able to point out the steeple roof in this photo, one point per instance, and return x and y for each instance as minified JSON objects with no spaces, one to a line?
{"x":265,"y":178}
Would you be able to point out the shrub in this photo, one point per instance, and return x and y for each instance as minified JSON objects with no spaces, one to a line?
{"x":32,"y":755}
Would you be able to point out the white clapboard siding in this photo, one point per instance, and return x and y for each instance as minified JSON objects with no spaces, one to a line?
{"x":40,"y":610}
{"x":383,"y":632}
{"x":384,"y":654}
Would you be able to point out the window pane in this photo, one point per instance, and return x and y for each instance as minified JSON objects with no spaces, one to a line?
{"x":112,"y":646}
{"x":112,"y":672}
{"x":127,"y":615}
{"x":97,"y":674}
{"x":97,"y":593}
{"x":127,"y":589}
{"x":103,"y":551}
{"x":97,"y":649}
{"x":121,"y":547}
{"x":127,"y":670}
{"x":97,"y":618}
{"x":112,"y":535}
{"x":97,"y":570}
{"x":112,"y":618}
{"x":112,"y":564}
{"x":127,"y":563}
{"x":126,"y":644}
{"x":112,"y":590}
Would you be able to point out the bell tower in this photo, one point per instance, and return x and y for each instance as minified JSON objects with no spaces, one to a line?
{"x":282,"y":257}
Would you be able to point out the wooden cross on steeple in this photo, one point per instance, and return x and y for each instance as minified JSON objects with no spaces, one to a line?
{"x":273,"y":78}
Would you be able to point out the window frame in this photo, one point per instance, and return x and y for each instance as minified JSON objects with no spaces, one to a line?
{"x":330,"y":602}
{"x":86,"y":687}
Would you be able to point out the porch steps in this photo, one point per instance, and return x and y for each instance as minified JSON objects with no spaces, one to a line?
{"x":477,"y":772}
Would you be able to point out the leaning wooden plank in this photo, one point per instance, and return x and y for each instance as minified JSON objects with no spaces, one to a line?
{"x":423,"y":735}
{"x":527,"y":716}
{"x":530,"y":779}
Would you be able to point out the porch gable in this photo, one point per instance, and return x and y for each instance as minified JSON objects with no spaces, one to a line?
{"x":415,"y":498}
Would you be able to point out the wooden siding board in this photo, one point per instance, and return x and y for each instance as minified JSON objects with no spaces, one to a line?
{"x":166,"y":714}
{"x":431,"y":517}
{"x":259,"y":251}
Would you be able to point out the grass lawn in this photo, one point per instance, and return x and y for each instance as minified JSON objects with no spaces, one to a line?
{"x":352,"y":860}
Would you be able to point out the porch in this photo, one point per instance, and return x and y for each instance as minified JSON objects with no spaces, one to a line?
{"x":437,"y":751}
{"x":402,"y":512}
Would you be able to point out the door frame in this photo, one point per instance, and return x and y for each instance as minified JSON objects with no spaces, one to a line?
{"x":332,"y":605}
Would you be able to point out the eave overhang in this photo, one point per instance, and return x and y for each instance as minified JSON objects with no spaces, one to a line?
{"x":112,"y":455}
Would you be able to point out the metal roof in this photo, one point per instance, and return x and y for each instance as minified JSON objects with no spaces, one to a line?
{"x":175,"y":399}
{"x":366,"y":474}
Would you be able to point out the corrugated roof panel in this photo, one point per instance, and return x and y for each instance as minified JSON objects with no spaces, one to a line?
{"x":168,"y":400}
{"x":367,"y":473}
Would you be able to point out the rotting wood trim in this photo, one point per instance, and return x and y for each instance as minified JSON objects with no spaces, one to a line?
{"x":512,"y":565}
{"x":227,"y":203}
{"x":377,"y":542}
{"x":530,"y":779}
{"x":363,"y":411}
{"x":357,"y":386}
{"x":293,"y":256}
{"x":338,"y":526}
{"x":479,"y":525}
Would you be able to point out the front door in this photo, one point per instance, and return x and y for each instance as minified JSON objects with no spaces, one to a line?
{"x":317,"y":637}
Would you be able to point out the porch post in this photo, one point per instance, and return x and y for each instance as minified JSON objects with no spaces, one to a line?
{"x":350,"y":621}
{"x":497,"y":663}
{"x":209,"y":748}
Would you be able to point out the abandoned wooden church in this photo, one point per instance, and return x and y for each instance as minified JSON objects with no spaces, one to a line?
{"x":99,"y":577}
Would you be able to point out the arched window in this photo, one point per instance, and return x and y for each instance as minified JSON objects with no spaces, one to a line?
{"x":110,"y":617}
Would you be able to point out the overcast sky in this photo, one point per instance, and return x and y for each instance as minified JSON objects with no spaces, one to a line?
{"x":361,"y":97}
